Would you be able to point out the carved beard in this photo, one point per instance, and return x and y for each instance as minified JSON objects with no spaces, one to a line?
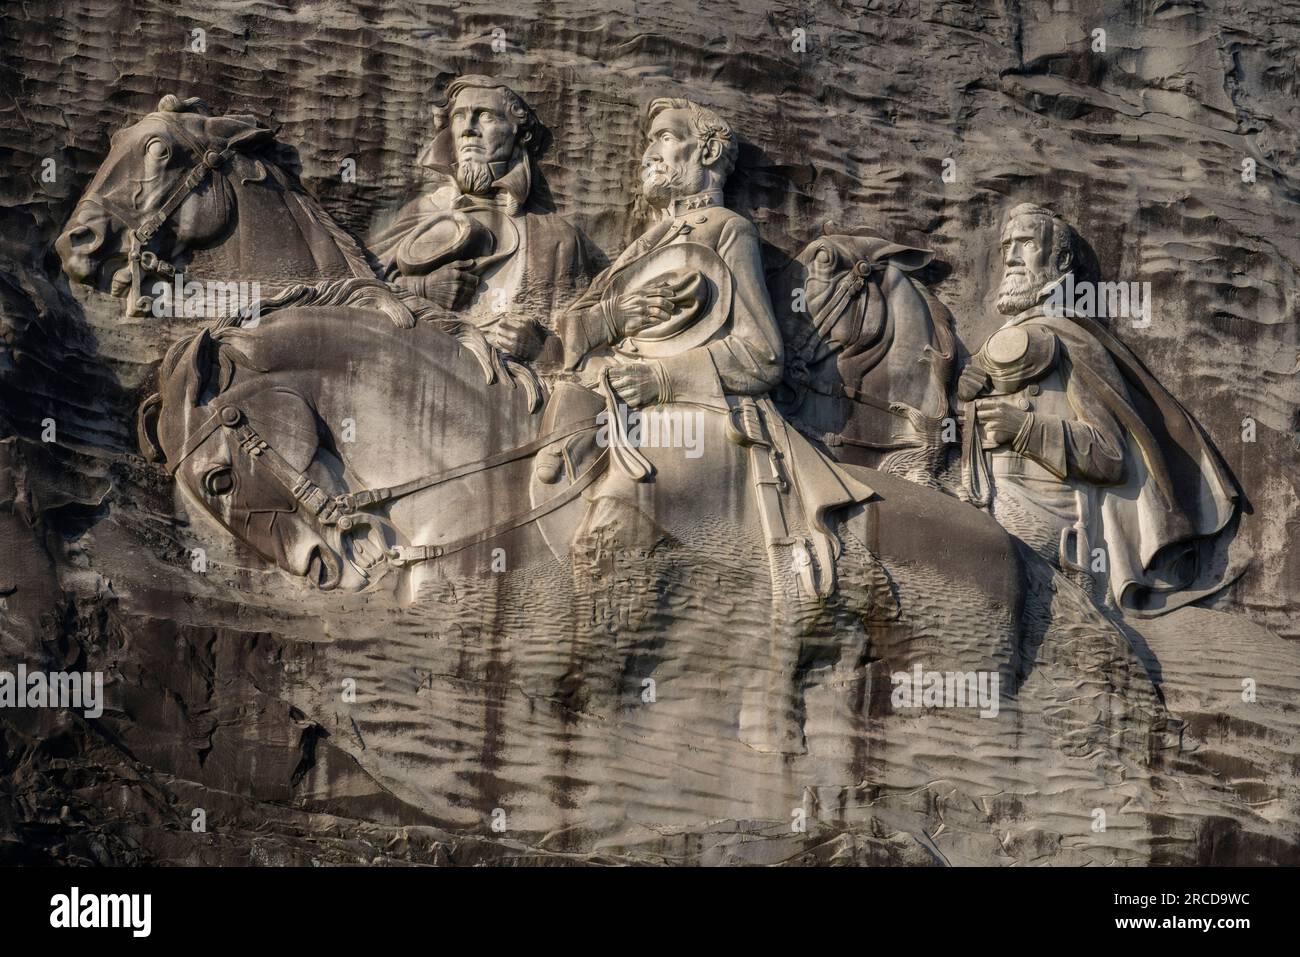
{"x":1020,"y":291}
{"x":473,"y":176}
{"x":662,"y":183}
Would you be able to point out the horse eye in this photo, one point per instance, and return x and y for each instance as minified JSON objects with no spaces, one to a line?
{"x":823,"y":255}
{"x":158,"y":149}
{"x":219,"y":481}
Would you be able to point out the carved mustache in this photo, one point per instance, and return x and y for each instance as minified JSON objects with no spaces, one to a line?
{"x":659,"y":170}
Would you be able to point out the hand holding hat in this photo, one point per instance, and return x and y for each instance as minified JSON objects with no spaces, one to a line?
{"x":650,"y":306}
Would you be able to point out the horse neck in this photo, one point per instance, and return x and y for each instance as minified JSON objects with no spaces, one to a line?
{"x":279,"y":236}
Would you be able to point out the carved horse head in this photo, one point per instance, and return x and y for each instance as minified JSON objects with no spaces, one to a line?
{"x":211,"y":403}
{"x":185,"y":190}
{"x":869,"y":351}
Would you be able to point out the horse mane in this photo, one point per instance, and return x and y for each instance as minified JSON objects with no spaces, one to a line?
{"x":348,"y":246}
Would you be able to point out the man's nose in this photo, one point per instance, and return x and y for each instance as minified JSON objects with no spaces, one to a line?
{"x":1013,"y":256}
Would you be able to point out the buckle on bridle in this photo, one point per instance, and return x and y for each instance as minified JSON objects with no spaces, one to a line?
{"x":150,"y":262}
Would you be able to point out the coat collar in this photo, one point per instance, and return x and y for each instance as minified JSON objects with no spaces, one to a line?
{"x":682,"y":205}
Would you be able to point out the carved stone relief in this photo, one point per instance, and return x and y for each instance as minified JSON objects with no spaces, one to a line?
{"x":630,"y":510}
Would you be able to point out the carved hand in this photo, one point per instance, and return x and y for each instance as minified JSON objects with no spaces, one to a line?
{"x":519,"y":336}
{"x":636,"y":384}
{"x":642,"y":309}
{"x":451,"y":286}
{"x":973,"y":381}
{"x":1000,"y":421}
{"x":926,"y":429}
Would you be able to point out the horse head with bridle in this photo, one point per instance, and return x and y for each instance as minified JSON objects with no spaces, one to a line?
{"x":870,"y":353}
{"x":183,"y":191}
{"x":338,"y":446}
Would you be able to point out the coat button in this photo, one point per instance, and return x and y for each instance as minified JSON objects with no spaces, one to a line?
{"x":1024,"y":404}
{"x":1034,"y":389}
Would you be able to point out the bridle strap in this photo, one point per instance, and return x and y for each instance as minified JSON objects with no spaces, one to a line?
{"x":197,"y":438}
{"x":846,"y":289}
{"x":209,"y":161}
{"x":321,"y":504}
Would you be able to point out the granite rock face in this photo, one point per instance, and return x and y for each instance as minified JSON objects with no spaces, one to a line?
{"x":506,"y":717}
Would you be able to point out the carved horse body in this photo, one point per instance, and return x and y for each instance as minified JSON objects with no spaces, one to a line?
{"x":268,"y":428}
{"x":869,"y":353}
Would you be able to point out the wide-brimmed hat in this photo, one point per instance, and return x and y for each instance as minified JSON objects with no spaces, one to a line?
{"x":484,"y":236}
{"x":686,"y":328}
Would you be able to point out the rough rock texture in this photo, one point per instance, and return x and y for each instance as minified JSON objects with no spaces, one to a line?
{"x":223,"y":688}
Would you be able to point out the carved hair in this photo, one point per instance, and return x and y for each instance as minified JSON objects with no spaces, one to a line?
{"x":708,"y":126}
{"x":531,"y":134}
{"x":1065,"y":241}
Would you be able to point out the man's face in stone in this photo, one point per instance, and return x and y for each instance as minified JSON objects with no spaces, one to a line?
{"x":670,"y":165}
{"x":1028,"y":260}
{"x":483,"y":132}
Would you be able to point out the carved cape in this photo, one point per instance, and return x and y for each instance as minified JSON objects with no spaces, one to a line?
{"x":1161,"y":522}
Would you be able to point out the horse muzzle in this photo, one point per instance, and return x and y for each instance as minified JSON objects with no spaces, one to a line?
{"x":80,"y":245}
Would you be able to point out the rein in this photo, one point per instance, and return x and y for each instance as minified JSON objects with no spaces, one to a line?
{"x":346,"y":510}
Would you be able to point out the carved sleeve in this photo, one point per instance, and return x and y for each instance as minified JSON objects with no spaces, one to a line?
{"x":583,"y":327}
{"x":748,"y":359}
{"x":1090,"y":446}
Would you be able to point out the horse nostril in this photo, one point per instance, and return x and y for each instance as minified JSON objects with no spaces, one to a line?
{"x":76,"y":244}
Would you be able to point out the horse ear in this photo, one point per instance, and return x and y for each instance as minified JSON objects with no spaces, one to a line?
{"x":146,"y":429}
{"x":250,"y":137}
{"x":199,"y":357}
{"x":174,"y":104}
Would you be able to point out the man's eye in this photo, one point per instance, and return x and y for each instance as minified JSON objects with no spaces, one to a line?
{"x":220,"y":481}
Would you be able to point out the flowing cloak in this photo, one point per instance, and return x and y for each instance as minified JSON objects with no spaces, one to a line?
{"x":1162,"y":522}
